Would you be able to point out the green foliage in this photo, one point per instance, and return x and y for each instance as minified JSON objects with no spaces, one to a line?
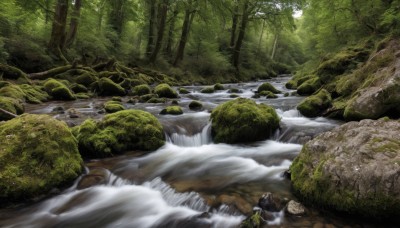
{"x":242,"y":120}
{"x":47,"y":158}
{"x":120,"y":132}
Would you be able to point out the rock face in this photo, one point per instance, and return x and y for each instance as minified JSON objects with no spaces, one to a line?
{"x":37,"y":153}
{"x":242,"y":120}
{"x":119,"y":132}
{"x":380,"y":98}
{"x":354,"y":168}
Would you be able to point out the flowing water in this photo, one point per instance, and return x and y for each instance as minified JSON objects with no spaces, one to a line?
{"x":189,"y":182}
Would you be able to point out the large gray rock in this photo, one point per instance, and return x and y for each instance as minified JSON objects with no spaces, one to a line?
{"x":353,"y":168}
{"x":380,"y":93}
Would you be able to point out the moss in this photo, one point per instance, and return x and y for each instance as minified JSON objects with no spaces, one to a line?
{"x":157,"y":100}
{"x":267,"y":87}
{"x":13,"y":73}
{"x":183,"y":91}
{"x":34,"y":94}
{"x":164,"y":90}
{"x":242,"y":120}
{"x":219,"y":86}
{"x":141,"y":90}
{"x":113,"y":106}
{"x":309,"y":87}
{"x":47,"y":158}
{"x":147,"y":97}
{"x":172,"y":110}
{"x":195,"y":105}
{"x":268,"y":94}
{"x":83,"y":96}
{"x":316,"y":104}
{"x":291,"y":84}
{"x":12,"y":105}
{"x":109,"y":88}
{"x":58,"y":90}
{"x":119,"y":99}
{"x":13,"y":91}
{"x":120,"y":132}
{"x":86,"y":79}
{"x":78,"y":88}
{"x":254,"y":221}
{"x":208,"y":89}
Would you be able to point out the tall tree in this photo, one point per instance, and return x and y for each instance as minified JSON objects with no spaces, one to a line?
{"x":73,"y":26}
{"x":152,"y":25}
{"x":162,"y":15}
{"x":58,"y":33}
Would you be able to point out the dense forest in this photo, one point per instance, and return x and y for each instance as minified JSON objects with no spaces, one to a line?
{"x":182,"y":113}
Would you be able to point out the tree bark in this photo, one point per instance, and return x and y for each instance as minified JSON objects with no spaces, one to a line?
{"x":73,"y":26}
{"x":162,"y":12}
{"x":150,"y":38}
{"x":117,"y":18}
{"x":57,"y":39}
{"x":170,"y":39}
{"x":242,"y":31}
{"x":274,"y":47}
{"x":189,"y":15}
{"x":235,"y":18}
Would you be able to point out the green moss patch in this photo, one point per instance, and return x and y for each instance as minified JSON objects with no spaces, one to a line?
{"x":109,"y":88}
{"x":208,"y":89}
{"x":120,"y":132}
{"x":164,"y":90}
{"x":316,"y":104}
{"x":58,"y":90}
{"x":113,"y":106}
{"x":37,"y":154}
{"x":309,"y":87}
{"x":172,"y":110}
{"x":195,"y":105}
{"x":219,"y":86}
{"x":242,"y":120}
{"x":141,"y":90}
{"x":267,"y":87}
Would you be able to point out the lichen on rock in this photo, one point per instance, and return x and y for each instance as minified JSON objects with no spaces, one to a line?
{"x":353,"y":168}
{"x":242,"y":120}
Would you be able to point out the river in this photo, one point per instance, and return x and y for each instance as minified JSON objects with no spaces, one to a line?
{"x":189,"y":182}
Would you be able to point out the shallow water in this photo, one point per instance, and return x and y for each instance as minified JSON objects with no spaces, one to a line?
{"x":189,"y":182}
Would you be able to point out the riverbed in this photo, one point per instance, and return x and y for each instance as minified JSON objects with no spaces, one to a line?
{"x":190,"y":181}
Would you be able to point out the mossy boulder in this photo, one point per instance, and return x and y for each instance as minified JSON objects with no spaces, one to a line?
{"x":268,"y":94}
{"x":183,"y":91}
{"x":219,"y":86}
{"x":172,"y":110}
{"x":12,"y":90}
{"x":267,"y":87}
{"x":79,"y":88}
{"x":13,"y":73}
{"x":242,"y":120}
{"x":316,"y":104}
{"x":12,"y":105}
{"x":353,"y":168}
{"x":34,"y":94}
{"x":164,"y":90}
{"x":58,"y":90}
{"x":195,"y":105}
{"x":147,"y":97}
{"x":141,"y":90}
{"x":234,"y":90}
{"x":113,"y":106}
{"x":37,"y":154}
{"x":155,"y":100}
{"x":119,"y":132}
{"x":86,"y":79}
{"x":309,"y":87}
{"x":291,"y":84}
{"x":208,"y":89}
{"x":109,"y":88}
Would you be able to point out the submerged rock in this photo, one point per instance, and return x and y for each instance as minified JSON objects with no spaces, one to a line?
{"x":195,"y":105}
{"x":295,"y":208}
{"x":119,"y":132}
{"x":353,"y":168}
{"x":37,"y":154}
{"x":242,"y":120}
{"x":208,"y":89}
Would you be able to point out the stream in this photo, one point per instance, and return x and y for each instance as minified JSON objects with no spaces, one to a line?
{"x":190,"y":181}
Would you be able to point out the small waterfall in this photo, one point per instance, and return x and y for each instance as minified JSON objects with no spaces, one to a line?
{"x":199,"y":139}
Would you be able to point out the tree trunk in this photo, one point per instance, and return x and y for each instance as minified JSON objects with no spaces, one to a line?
{"x":117,"y":18}
{"x":274,"y":47}
{"x":260,"y":40}
{"x":73,"y":26}
{"x":242,"y":31}
{"x":150,"y":38}
{"x":189,"y":15}
{"x":57,"y":39}
{"x":162,"y":12}
{"x":235,"y":18}
{"x":170,"y":39}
